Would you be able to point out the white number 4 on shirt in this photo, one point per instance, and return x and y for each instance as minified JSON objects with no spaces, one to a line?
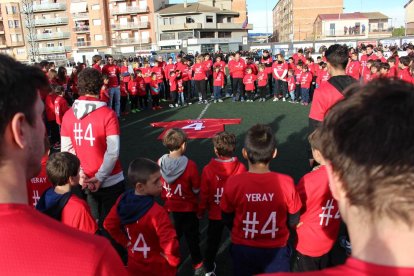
{"x":78,"y":134}
{"x":141,"y":246}
{"x":195,"y":126}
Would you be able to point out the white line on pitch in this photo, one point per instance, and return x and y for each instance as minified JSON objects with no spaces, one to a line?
{"x":203,"y":111}
{"x":146,"y":118}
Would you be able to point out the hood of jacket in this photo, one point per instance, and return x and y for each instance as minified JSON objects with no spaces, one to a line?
{"x":172,"y":168}
{"x":342,"y":82}
{"x":86,"y":105}
{"x":52,"y":203}
{"x":225,"y":168}
{"x":132,"y":207}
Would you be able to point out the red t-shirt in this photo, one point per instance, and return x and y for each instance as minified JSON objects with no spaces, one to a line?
{"x":319,"y":215}
{"x":151,"y":242}
{"x":113,"y":72}
{"x":291,"y":83}
{"x":208,"y":65}
{"x":88,"y":135}
{"x":354,"y":267}
{"x":141,"y":86}
{"x":61,"y":106}
{"x":172,"y":80}
{"x":34,"y":244}
{"x":154,"y":87}
{"x":306,"y":80}
{"x":199,"y":71}
{"x":261,"y":204}
{"x":168,"y":69}
{"x":323,"y":77}
{"x":104,"y":94}
{"x":248,"y":82}
{"x":296,"y":58}
{"x":253,"y":67}
{"x":353,"y":69}
{"x":268,"y":64}
{"x":403,"y":74}
{"x":124,"y":70}
{"x":262,"y":79}
{"x":280,"y":68}
{"x":393,"y":72}
{"x":323,"y":99}
{"x":158,"y":70}
{"x":181,"y":195}
{"x":146,"y":73}
{"x":77,"y":214}
{"x":213,"y":179}
{"x":237,"y":68}
{"x":133,"y":87}
{"x":37,"y":185}
{"x":50,"y":107}
{"x":298,"y":75}
{"x":183,"y":69}
{"x":97,"y":67}
{"x":218,"y":78}
{"x":221,"y":64}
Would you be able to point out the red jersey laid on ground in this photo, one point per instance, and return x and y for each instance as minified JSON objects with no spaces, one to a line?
{"x":262,"y":79}
{"x":354,"y":267}
{"x":213,"y":178}
{"x":37,"y":185}
{"x":204,"y":128}
{"x":248,"y":82}
{"x":280,"y":69}
{"x":37,"y":239}
{"x":261,"y":204}
{"x":237,"y":68}
{"x":85,"y":129}
{"x":218,"y":78}
{"x":113,"y":72}
{"x":50,"y":107}
{"x":199,"y":71}
{"x":353,"y":69}
{"x":306,"y":80}
{"x":151,"y":241}
{"x":181,"y":195}
{"x":291,"y":83}
{"x":61,"y":106}
{"x":320,"y":216}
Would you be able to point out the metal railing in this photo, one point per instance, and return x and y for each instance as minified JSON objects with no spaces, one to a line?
{"x":130,"y":25}
{"x":127,"y":10}
{"x":58,"y":49}
{"x":131,"y":41}
{"x":49,"y":36}
{"x":51,"y":21}
{"x":49,"y":7}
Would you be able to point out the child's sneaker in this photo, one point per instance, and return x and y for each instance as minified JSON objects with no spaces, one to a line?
{"x":171,"y":105}
{"x":215,"y":101}
{"x":176,"y":105}
{"x":220,"y":100}
{"x":242,"y":99}
{"x":284,"y":99}
{"x":205,"y":101}
{"x":276,"y":99}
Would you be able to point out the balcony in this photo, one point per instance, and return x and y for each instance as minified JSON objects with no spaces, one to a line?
{"x":81,"y":44}
{"x":80,"y":16}
{"x":16,"y":43}
{"x":51,"y":21}
{"x":183,"y":26}
{"x":128,"y":10}
{"x":129,"y":41}
{"x":82,"y":29}
{"x":233,"y":26}
{"x":53,"y":50}
{"x":130,"y":25}
{"x":51,"y":36}
{"x":49,"y":7}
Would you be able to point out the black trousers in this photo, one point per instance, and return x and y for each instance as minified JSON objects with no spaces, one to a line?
{"x":214,"y":235}
{"x":210,"y":84}
{"x":305,"y":263}
{"x":270,"y":81}
{"x":124,"y":100}
{"x":187,"y":224}
{"x":281,"y":89}
{"x":201,"y":86}
{"x":134,"y":101}
{"x":262,"y":91}
{"x":155,"y":100}
{"x":297,"y":92}
{"x":238,"y":86}
{"x":53,"y":132}
{"x":143,"y":101}
{"x":174,"y":97}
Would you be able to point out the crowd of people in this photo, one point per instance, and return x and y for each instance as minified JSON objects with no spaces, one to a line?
{"x":361,"y":134}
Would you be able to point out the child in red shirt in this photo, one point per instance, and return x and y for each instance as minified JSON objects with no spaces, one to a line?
{"x":142,"y":226}
{"x":249,"y":86}
{"x":258,"y":206}
{"x":104,"y":94}
{"x":52,"y":127}
{"x":319,"y":226}
{"x":298,"y":76}
{"x":61,"y":105}
{"x":172,"y":80}
{"x":58,"y":202}
{"x":133,"y":93}
{"x":393,"y":68}
{"x":180,"y":88}
{"x":141,"y":90}
{"x":213,"y":178}
{"x":155,"y":92}
{"x":375,"y":68}
{"x":323,"y":75}
{"x":218,"y":83}
{"x":124,"y":97}
{"x":384,"y":70}
{"x":305,"y":84}
{"x":404,"y":73}
{"x":262,"y":83}
{"x":291,"y":85}
{"x":181,"y":183}
{"x":366,"y":74}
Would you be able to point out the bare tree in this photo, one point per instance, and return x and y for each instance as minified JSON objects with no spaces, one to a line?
{"x":29,"y":19}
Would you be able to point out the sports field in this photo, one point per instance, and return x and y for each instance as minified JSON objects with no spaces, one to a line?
{"x":288,"y":121}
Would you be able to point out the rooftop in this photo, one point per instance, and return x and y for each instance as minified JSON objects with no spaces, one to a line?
{"x":193,"y":8}
{"x":342,"y":16}
{"x":375,"y":15}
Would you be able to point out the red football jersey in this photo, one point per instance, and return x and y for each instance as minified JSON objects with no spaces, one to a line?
{"x":262,"y":79}
{"x":151,"y":242}
{"x":291,"y":83}
{"x":218,"y":78}
{"x":353,"y":69}
{"x":237,"y":68}
{"x":34,"y":244}
{"x":403,"y":74}
{"x":322,"y":77}
{"x":280,"y":69}
{"x":199,"y":71}
{"x":204,"y":128}
{"x":364,"y":69}
{"x":184,"y":71}
{"x":38,"y":184}
{"x":306,"y":80}
{"x":393,"y":72}
{"x":61,"y":106}
{"x":113,"y":72}
{"x":158,"y":71}
{"x":320,"y":216}
{"x":221,"y":64}
{"x":181,"y":195}
{"x":133,"y":87}
{"x":323,"y":99}
{"x":248,"y":82}
{"x":298,"y":75}
{"x":168,"y":69}
{"x":155,"y":90}
{"x":208,"y":65}
{"x":261,"y":204}
{"x":141,"y":86}
{"x":77,"y":214}
{"x":296,"y":58}
{"x":213,"y":178}
{"x":172,"y":80}
{"x":88,"y":124}
{"x":354,"y":267}
{"x":50,"y":107}
{"x":268,"y":64}
{"x":124,"y":70}
{"x":97,"y":67}
{"x":146,"y":73}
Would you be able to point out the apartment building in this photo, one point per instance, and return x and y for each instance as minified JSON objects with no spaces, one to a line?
{"x":196,"y":27}
{"x":409,"y":17}
{"x":12,"y":31}
{"x":293,"y":20}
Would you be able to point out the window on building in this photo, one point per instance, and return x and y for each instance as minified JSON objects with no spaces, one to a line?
{"x":11,"y":9}
{"x":224,"y":34}
{"x":97,"y":22}
{"x":95,"y":7}
{"x":209,"y":19}
{"x":60,"y":44}
{"x":380,"y":26}
{"x":167,"y":21}
{"x":167,"y":36}
{"x":98,"y":37}
{"x":20,"y":51}
{"x":189,"y":19}
{"x":124,"y":35}
{"x":50,"y":44}
{"x":207,"y":35}
{"x":185,"y":35}
{"x":332,"y":29}
{"x":47,"y":31}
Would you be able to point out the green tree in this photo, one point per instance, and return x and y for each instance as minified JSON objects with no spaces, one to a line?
{"x":398,"y":31}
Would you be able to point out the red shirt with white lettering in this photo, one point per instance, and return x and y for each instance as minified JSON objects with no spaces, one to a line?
{"x":34,"y":244}
{"x":218,"y":78}
{"x":322,"y":77}
{"x":280,"y":69}
{"x":199,"y":71}
{"x":291,"y":84}
{"x":151,"y":242}
{"x":306,"y":80}
{"x":353,"y":69}
{"x":61,"y":106}
{"x":142,"y":92}
{"x":37,"y":185}
{"x":262,"y":79}
{"x":213,"y":178}
{"x":133,"y":86}
{"x":354,"y":267}
{"x":296,"y":58}
{"x":158,"y":71}
{"x":182,"y":194}
{"x":125,"y":70}
{"x":248,"y":82}
{"x":184,"y":70}
{"x":208,"y":65}
{"x":403,"y":74}
{"x":268,"y":64}
{"x":172,"y":80}
{"x":221,"y":64}
{"x":261,"y":204}
{"x":237,"y":68}
{"x":146,"y":74}
{"x":319,"y":215}
{"x":169,"y":68}
{"x":113,"y":72}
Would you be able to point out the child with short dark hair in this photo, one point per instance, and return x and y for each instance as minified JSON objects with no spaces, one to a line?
{"x":172,"y":80}
{"x":262,"y":78}
{"x":316,"y":234}
{"x":58,"y":202}
{"x":180,"y":88}
{"x":258,"y":206}
{"x":61,"y":105}
{"x":375,"y":68}
{"x":249,"y":84}
{"x":367,"y":75}
{"x":142,"y":226}
{"x":218,"y":83}
{"x":104,"y":94}
{"x":213,"y":179}
{"x":404,"y":74}
{"x":181,"y":183}
{"x":384,"y":69}
{"x":133,"y":93}
{"x":291,"y":85}
{"x":142,"y":90}
{"x":305,"y":84}
{"x":393,"y":68}
{"x":155,"y":92}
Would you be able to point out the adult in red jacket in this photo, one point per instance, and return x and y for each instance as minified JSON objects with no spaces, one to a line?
{"x":29,"y":239}
{"x":113,"y":72}
{"x":267,"y":61}
{"x":237,"y":68}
